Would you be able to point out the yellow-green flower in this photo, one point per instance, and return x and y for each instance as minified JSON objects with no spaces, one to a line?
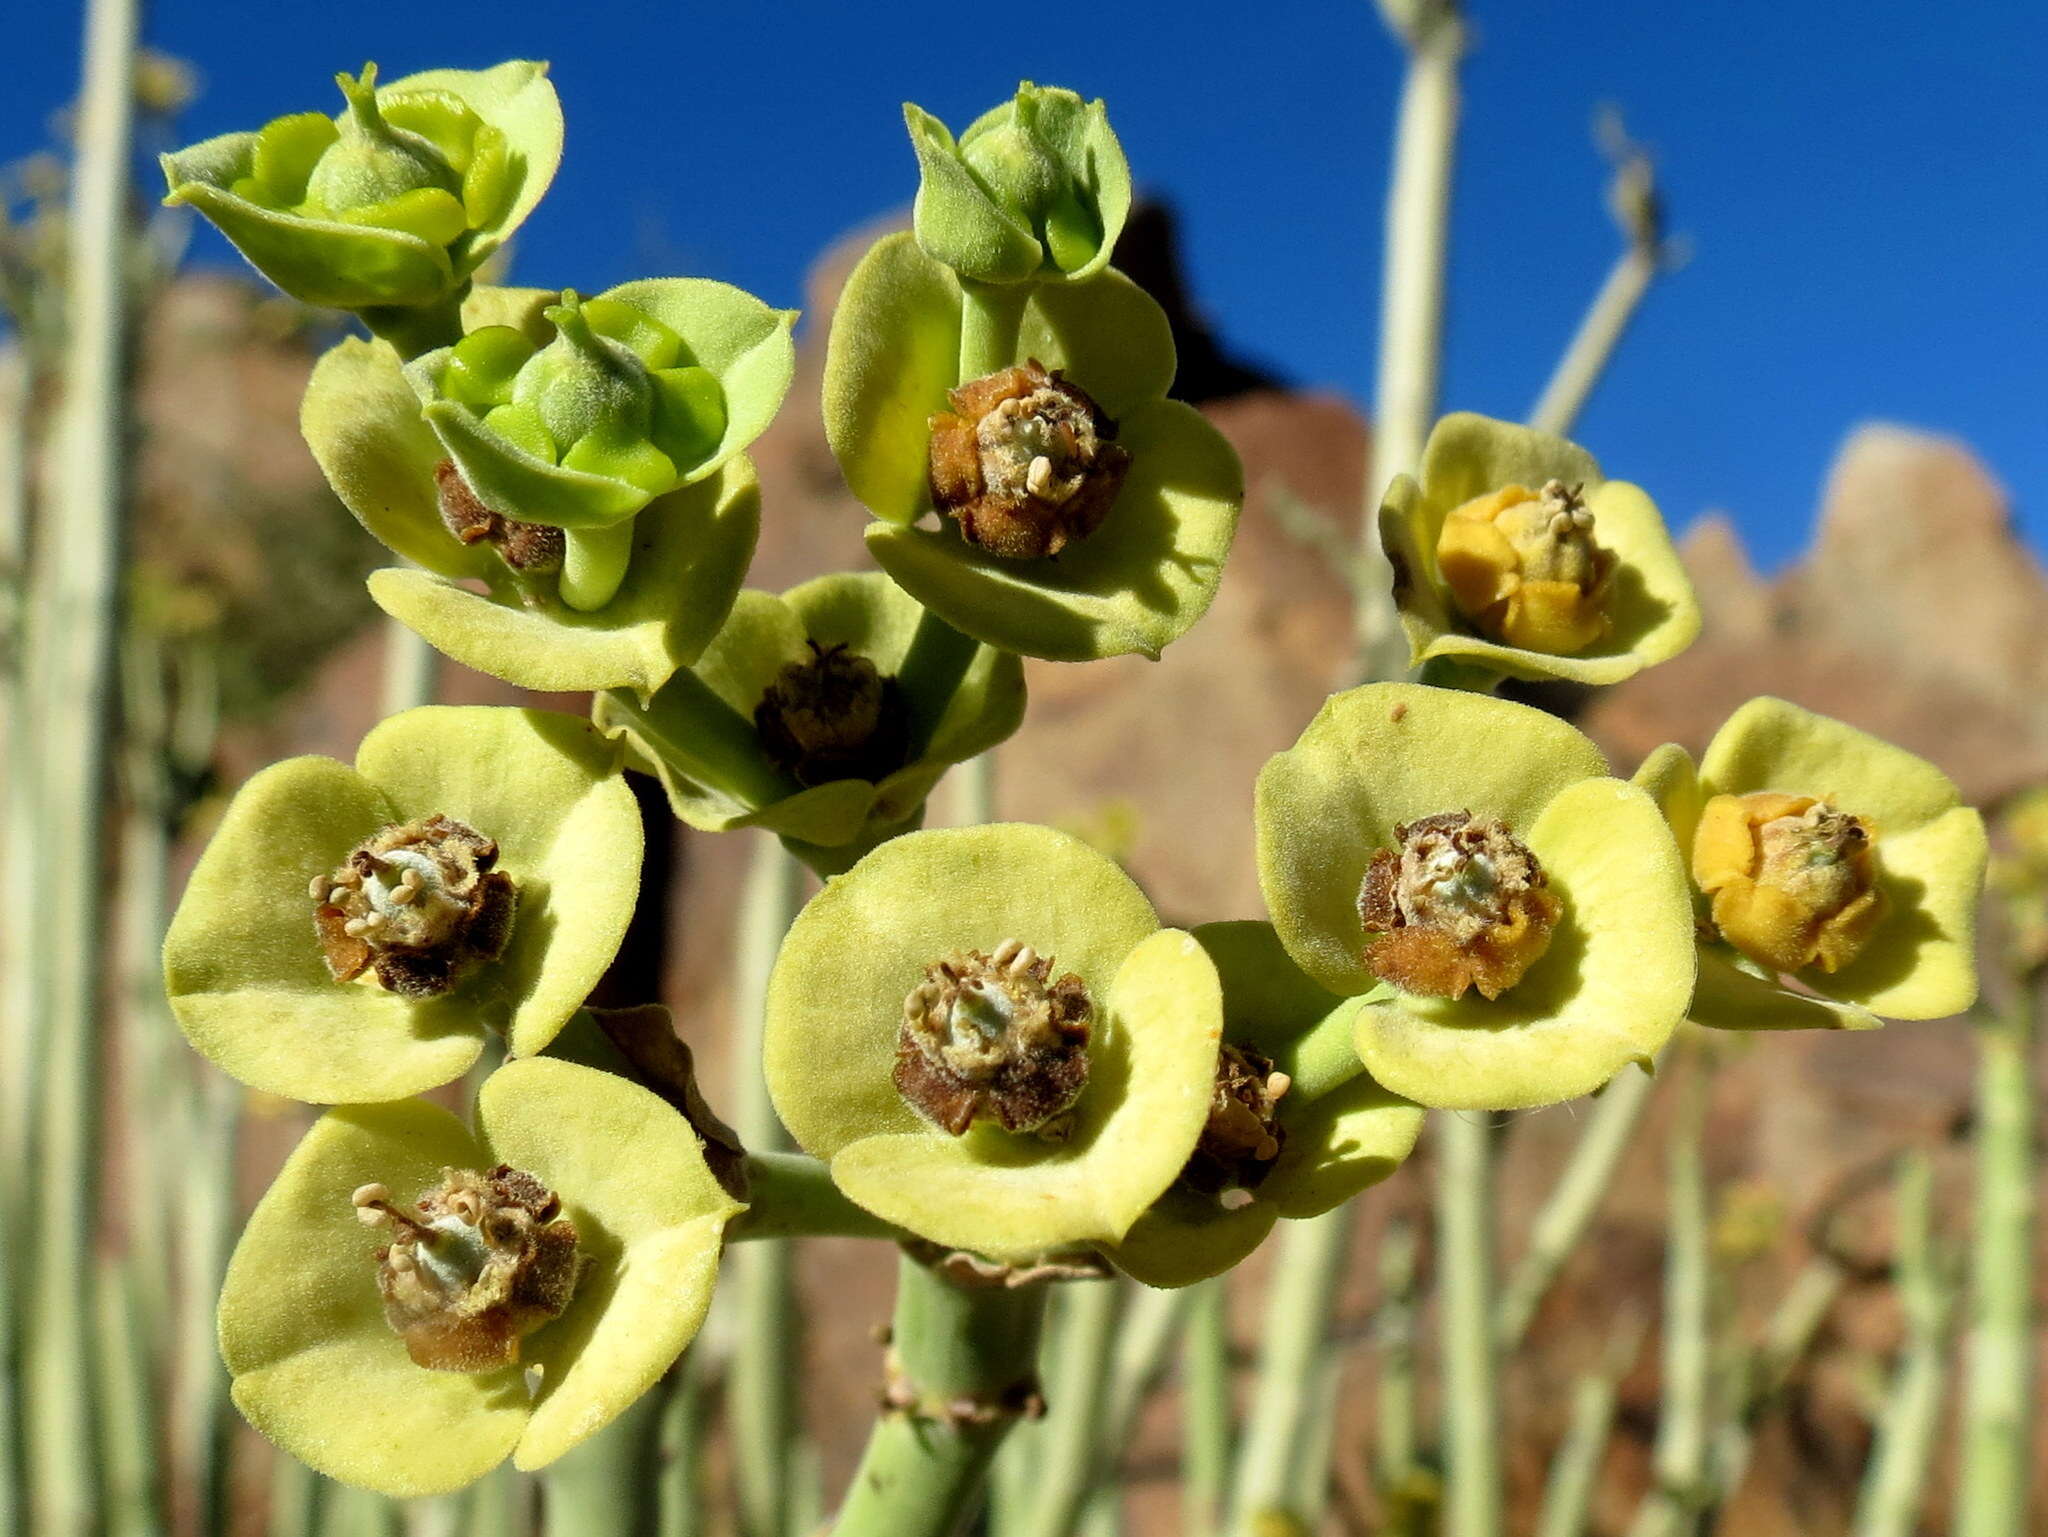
{"x":1825,"y":855}
{"x":1517,"y":922}
{"x":1514,"y":555}
{"x":1331,"y":1130}
{"x":489,"y":595}
{"x":825,"y":715}
{"x":394,"y":203}
{"x":350,"y":934}
{"x":988,"y":1035}
{"x":312,"y":1294}
{"x":1052,"y":502}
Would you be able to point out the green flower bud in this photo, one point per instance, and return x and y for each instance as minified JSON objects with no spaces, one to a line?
{"x":991,"y":1039}
{"x":1035,"y":188}
{"x":392,"y":205}
{"x":1515,"y":924}
{"x":350,"y":934}
{"x":404,"y":1271}
{"x":1294,"y":1129}
{"x":637,"y":393}
{"x":1086,"y":514}
{"x":1917,"y":864}
{"x":1515,"y":555}
{"x":825,"y":715}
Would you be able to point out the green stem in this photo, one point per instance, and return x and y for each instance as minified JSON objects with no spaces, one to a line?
{"x":1073,"y":1429}
{"x":761,"y":1386}
{"x":792,"y":1196}
{"x":1411,"y":293}
{"x":296,"y":1492}
{"x":602,"y":1488}
{"x":1304,"y":1287}
{"x":411,"y":669}
{"x":1997,"y":1425}
{"x":1324,"y":1058}
{"x":1471,"y":1367}
{"x":1565,"y":1216}
{"x":20,"y":957}
{"x":131,"y":1493}
{"x":594,"y":562}
{"x":938,"y":659}
{"x":1910,"y":1424}
{"x":720,"y":748}
{"x":413,"y":330}
{"x":1575,"y":1469}
{"x":83,"y":551}
{"x":1788,"y":1334}
{"x":1673,"y":1506}
{"x":991,"y":315}
{"x":1394,"y":1447}
{"x":200,"y":1430}
{"x":964,"y":1365}
{"x":1599,"y":333}
{"x":500,"y":1504}
{"x":1205,"y":1409}
{"x":685,"y":1420}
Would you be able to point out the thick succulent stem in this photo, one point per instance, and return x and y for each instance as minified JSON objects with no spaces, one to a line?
{"x":1473,"y":1500}
{"x":1284,"y":1403}
{"x":991,"y":315}
{"x":82,"y":556}
{"x":1997,"y":1433}
{"x":1569,"y":1209}
{"x":1910,"y":1423}
{"x":963,"y":1368}
{"x":762,"y":1385}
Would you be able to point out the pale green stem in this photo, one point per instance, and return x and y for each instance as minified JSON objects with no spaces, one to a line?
{"x":1152,"y":1325}
{"x":1304,"y":1286}
{"x":1394,"y":1446}
{"x":501,"y":1504}
{"x":1205,"y":1409}
{"x":296,"y":1494}
{"x":76,"y":656}
{"x":1788,"y":1335}
{"x":762,"y":1384}
{"x":991,"y":314}
{"x":1471,"y":1368}
{"x":200,"y":1432}
{"x":938,"y":659}
{"x":685,"y":1424}
{"x":1910,"y":1424}
{"x":131,"y":1493}
{"x":413,"y":330}
{"x":411,"y":669}
{"x":11,"y":1501}
{"x":603,"y":1487}
{"x":791,"y":1195}
{"x":1077,"y":1399}
{"x":346,"y":1512}
{"x":1997,"y":1425}
{"x":1672,"y":1508}
{"x":1592,"y":345}
{"x":1412,"y":289}
{"x":1565,"y":1215}
{"x":19,"y":957}
{"x":963,"y":1363}
{"x":1575,"y":1468}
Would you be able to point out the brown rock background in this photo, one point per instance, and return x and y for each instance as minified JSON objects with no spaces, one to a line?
{"x":1917,"y":613}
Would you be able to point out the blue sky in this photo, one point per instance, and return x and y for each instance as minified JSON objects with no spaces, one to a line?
{"x":1865,"y":186}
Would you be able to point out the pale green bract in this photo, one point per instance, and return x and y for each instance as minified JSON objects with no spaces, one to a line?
{"x":302,"y":1330}
{"x":1132,"y":586}
{"x":1618,"y":974}
{"x":244,"y":970}
{"x":1920,"y":961}
{"x":1653,"y":612}
{"x":1037,"y":188}
{"x":1345,"y":1140}
{"x":394,"y":203}
{"x":835,"y":1006}
{"x":698,"y":733}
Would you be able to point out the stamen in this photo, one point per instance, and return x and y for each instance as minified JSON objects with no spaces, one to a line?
{"x":990,"y":1035}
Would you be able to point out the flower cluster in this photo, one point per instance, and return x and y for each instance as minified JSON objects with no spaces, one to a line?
{"x":983,"y":1038}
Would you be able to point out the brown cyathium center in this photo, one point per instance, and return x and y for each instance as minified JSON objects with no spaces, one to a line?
{"x":1461,"y":903}
{"x":481,"y":1262}
{"x":526,"y":547}
{"x":1025,"y":462}
{"x":418,"y":904}
{"x":991,"y":1036}
{"x":1243,"y":1135}
{"x":834,"y":716}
